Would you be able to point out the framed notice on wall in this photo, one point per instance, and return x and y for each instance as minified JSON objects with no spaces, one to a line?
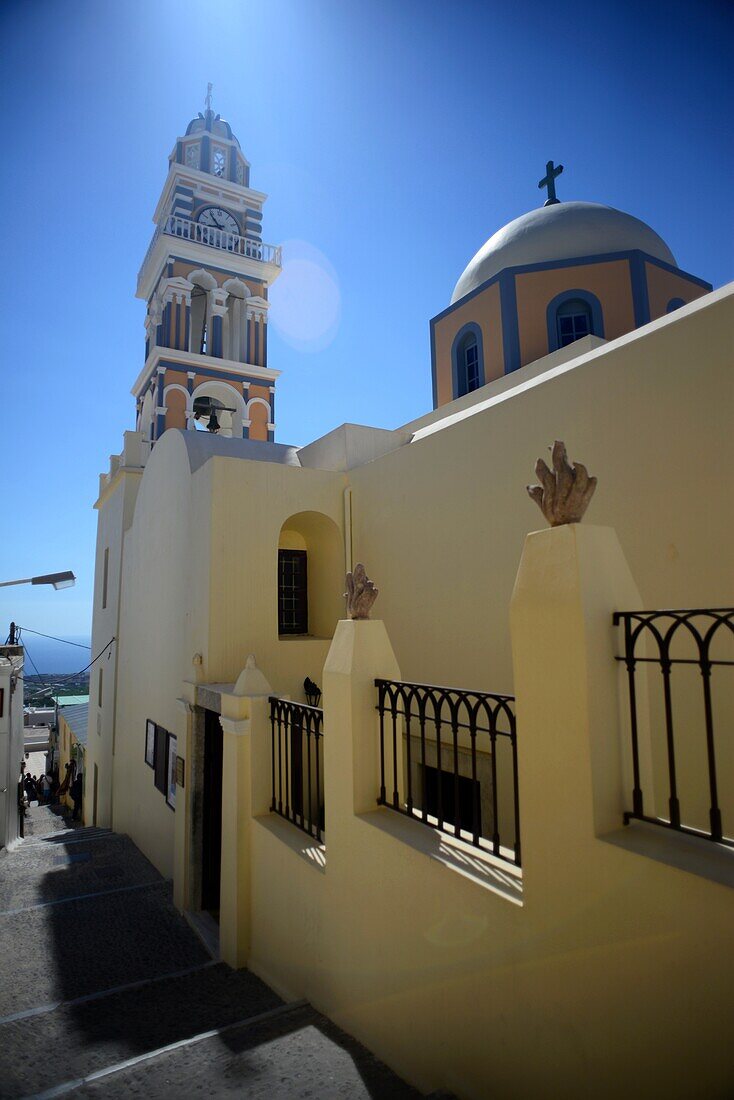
{"x":150,"y":743}
{"x":171,"y":772}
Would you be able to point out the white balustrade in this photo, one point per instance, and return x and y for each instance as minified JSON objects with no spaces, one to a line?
{"x":176,"y":226}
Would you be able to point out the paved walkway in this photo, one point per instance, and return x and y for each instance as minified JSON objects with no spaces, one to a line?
{"x":106,"y":990}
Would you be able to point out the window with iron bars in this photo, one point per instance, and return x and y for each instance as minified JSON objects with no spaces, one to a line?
{"x":292,"y":592}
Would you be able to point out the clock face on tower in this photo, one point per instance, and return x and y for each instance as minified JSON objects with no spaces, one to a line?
{"x":218,"y":219}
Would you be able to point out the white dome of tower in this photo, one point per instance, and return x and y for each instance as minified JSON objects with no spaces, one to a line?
{"x":562,"y":231}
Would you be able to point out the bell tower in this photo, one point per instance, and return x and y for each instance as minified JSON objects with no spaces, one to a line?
{"x":205,"y":279}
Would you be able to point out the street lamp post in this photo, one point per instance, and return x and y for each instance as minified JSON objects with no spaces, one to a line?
{"x":58,"y":580}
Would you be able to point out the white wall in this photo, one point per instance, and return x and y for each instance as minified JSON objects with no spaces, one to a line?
{"x":11,"y":740}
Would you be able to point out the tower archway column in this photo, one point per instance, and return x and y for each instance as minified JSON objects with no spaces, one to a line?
{"x":256,"y":328}
{"x":153,"y":325}
{"x":217,"y":313}
{"x":176,"y":293}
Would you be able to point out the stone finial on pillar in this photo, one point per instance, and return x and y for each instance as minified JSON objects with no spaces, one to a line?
{"x":251,"y":681}
{"x":360,"y":594}
{"x":563,"y":494}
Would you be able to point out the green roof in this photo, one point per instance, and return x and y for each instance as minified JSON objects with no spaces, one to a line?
{"x":70,"y":700}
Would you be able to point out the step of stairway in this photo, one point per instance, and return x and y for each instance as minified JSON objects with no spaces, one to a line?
{"x":86,"y":944}
{"x":61,"y":867}
{"x":45,"y":1047}
{"x":292,"y":1053}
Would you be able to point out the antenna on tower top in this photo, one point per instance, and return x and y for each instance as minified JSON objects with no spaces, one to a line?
{"x":208,"y":97}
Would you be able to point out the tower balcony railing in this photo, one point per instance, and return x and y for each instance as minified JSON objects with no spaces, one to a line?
{"x":185,"y":228}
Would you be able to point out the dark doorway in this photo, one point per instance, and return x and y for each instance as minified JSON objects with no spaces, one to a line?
{"x":94,"y":796}
{"x":468,"y":789}
{"x":211,"y":854}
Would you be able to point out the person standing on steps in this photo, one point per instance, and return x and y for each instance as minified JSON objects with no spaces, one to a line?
{"x":76,"y":794}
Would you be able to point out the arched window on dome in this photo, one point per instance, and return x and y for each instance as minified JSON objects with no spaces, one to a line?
{"x":573,"y":320}
{"x":571,"y":316}
{"x":467,"y":360}
{"x":674,"y":303}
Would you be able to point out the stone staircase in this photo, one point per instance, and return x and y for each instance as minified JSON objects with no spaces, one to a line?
{"x":108,"y":991}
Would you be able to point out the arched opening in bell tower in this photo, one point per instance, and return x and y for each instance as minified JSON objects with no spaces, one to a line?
{"x":226,"y":405}
{"x":202,"y":282}
{"x":235,"y":321}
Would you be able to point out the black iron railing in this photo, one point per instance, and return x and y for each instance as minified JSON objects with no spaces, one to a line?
{"x":459,"y":751}
{"x":297,"y":764}
{"x":666,"y":632}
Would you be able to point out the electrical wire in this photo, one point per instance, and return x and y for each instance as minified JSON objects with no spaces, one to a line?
{"x":53,"y":637}
{"x":92,"y":662}
{"x":70,"y":676}
{"x":46,"y":686}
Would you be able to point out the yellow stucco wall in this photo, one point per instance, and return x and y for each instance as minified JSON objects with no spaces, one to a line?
{"x":663,"y":285}
{"x":598,"y":983}
{"x":200,"y":577}
{"x":439,"y":523}
{"x":388,"y":933}
{"x":447,"y":514}
{"x":484,"y":310}
{"x":610,"y":282}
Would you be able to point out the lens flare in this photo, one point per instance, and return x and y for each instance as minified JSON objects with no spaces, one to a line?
{"x":306,"y":300}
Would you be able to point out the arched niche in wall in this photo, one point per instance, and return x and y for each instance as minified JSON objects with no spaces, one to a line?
{"x":176,"y":402}
{"x":310,"y":576}
{"x":258,"y":414}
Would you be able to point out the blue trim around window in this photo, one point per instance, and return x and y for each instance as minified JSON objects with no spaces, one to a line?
{"x":674,"y":303}
{"x":576,"y":261}
{"x":589,"y":299}
{"x":470,"y":328}
{"x":434,"y":378}
{"x":640,"y":297}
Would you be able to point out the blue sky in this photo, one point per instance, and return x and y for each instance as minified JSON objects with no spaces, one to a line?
{"x":392,"y":137}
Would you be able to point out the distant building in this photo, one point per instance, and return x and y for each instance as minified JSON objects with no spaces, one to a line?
{"x":72,"y":740}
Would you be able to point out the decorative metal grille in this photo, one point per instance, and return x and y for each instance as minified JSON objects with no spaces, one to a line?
{"x":700,"y":629}
{"x":297,"y":764}
{"x":460,"y":754}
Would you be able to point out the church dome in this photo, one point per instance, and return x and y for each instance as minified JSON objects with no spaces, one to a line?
{"x":563,"y":231}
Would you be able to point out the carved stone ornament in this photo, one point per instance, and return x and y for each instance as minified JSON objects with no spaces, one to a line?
{"x":361,"y":593}
{"x":564,"y":493}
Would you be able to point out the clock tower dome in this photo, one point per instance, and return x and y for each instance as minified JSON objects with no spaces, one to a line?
{"x":205,"y":279}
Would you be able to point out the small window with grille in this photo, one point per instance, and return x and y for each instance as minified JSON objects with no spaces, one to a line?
{"x":471,"y":366}
{"x":468,"y":367}
{"x":574,"y":322}
{"x":292,"y":592}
